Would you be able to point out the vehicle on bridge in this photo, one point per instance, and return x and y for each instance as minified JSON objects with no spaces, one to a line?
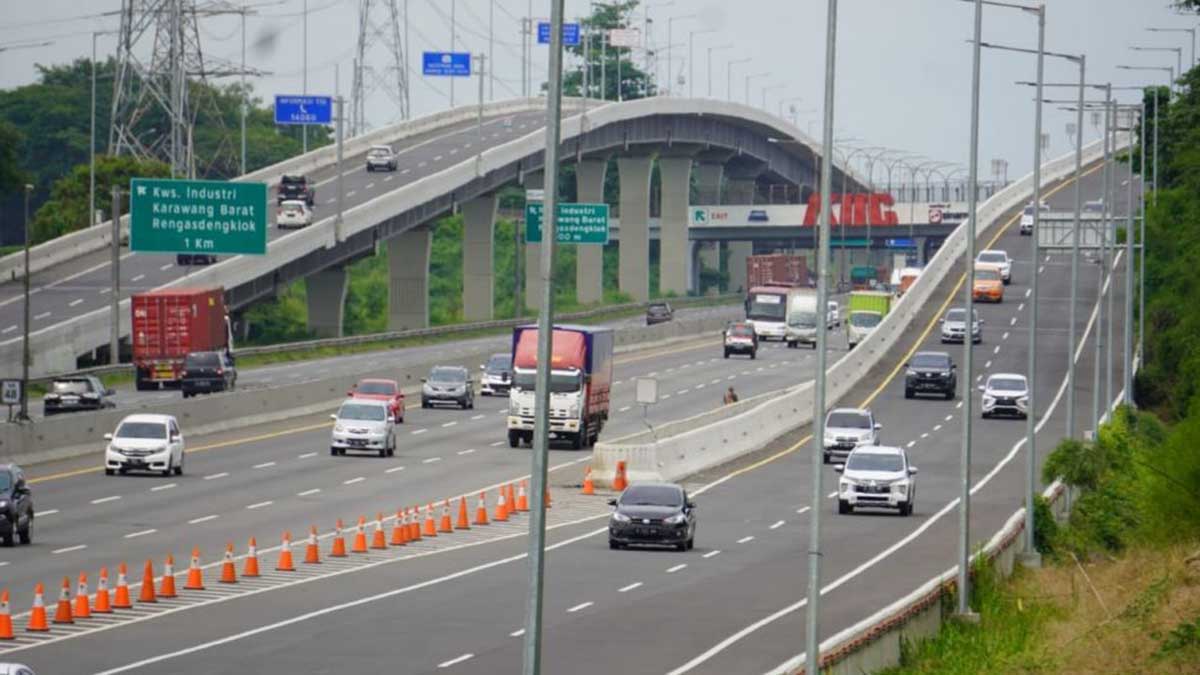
{"x":931,"y":372}
{"x":834,"y":317}
{"x":171,"y":323}
{"x":766,"y":309}
{"x":388,"y":391}
{"x":208,"y":372}
{"x":954,"y":326}
{"x":362,"y":424}
{"x":497,"y":375}
{"x":1000,"y":259}
{"x":145,"y":442}
{"x":740,"y":338}
{"x":15,"y":669}
{"x":189,"y":259}
{"x":293,"y":213}
{"x":989,"y":284}
{"x":16,"y":512}
{"x":866,"y":311}
{"x":381,"y":158}
{"x":71,"y":394}
{"x":1027,"y":217}
{"x":865,"y":277}
{"x":877,"y":477}
{"x":581,"y":365}
{"x":296,"y":186}
{"x":1005,"y":394}
{"x":448,"y":384}
{"x":847,"y":429}
{"x":655,"y":514}
{"x":803,"y":318}
{"x":905,"y":278}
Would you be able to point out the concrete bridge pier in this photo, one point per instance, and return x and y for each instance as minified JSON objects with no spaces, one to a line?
{"x":675,"y":176}
{"x":633,"y":270}
{"x":534,"y":180}
{"x":326,"y":297}
{"x":589,"y":258}
{"x":479,"y":278}
{"x":408,"y":279}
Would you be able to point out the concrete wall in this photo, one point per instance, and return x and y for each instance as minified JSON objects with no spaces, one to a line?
{"x":408,"y":279}
{"x":479,"y":261}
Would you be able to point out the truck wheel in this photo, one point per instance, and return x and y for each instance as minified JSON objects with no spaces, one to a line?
{"x":950,"y":394}
{"x":143,"y":384}
{"x":514,"y":439}
{"x":754,"y":355}
{"x":580,"y":440}
{"x":726,"y":353}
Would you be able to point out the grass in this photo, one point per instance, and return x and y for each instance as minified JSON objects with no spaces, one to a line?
{"x":5,"y":250}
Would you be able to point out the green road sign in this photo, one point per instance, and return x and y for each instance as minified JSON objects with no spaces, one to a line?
{"x":577,"y":223}
{"x":197,"y":216}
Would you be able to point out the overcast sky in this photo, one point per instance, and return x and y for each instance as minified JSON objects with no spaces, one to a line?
{"x":904,"y":66}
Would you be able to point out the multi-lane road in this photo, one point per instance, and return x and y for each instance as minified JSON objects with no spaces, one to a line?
{"x":734,"y":604}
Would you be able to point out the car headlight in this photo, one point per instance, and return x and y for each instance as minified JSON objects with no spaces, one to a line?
{"x":1024,"y":400}
{"x":339,"y":429}
{"x":3,"y":504}
{"x":910,"y":373}
{"x":845,"y":486}
{"x":988,"y":400}
{"x":675,"y":519}
{"x":620,"y":517}
{"x":900,"y":486}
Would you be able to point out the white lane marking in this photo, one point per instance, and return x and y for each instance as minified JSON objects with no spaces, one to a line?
{"x":624,"y":409}
{"x":996,"y":350}
{"x":306,"y":455}
{"x":454,"y":151}
{"x":496,"y":444}
{"x":351,"y":193}
{"x":987,"y":365}
{"x":419,"y":431}
{"x":1040,"y":270}
{"x":160,"y":488}
{"x":1028,"y":291}
{"x":779,"y":523}
{"x":352,"y":481}
{"x":630,"y":587}
{"x":467,"y":146}
{"x":617,"y":382}
{"x":477,"y":417}
{"x":937,"y":427}
{"x":76,"y":301}
{"x":263,"y":465}
{"x":394,"y":469}
{"x":978,"y":378}
{"x":910,"y":444}
{"x":77,"y":547}
{"x":41,"y":316}
{"x":1021,"y":307}
{"x":681,"y":392}
{"x":959,"y":404}
{"x":49,"y":512}
{"x":700,"y":386}
{"x":745,"y":539}
{"x":211,"y":476}
{"x":422,"y":165}
{"x":166,"y":267}
{"x":134,"y":535}
{"x":831,"y":495}
{"x":203,"y":519}
{"x":1005,"y":336}
{"x":449,"y":424}
{"x":407,"y":170}
{"x":582,"y":605}
{"x":259,"y":505}
{"x":716,"y":380}
{"x":389,"y":177}
{"x":138,"y":278}
{"x":106,"y":499}
{"x":517,"y":633}
{"x":666,"y":396}
{"x":467,"y":451}
{"x":106,"y":289}
{"x":1012,"y":321}
{"x":431,"y":460}
{"x":803,"y":510}
{"x":731,"y":377}
{"x":369,"y":186}
{"x":9,"y":329}
{"x":307,"y":493}
{"x":711,"y":554}
{"x":925,"y":435}
{"x":676,"y":568}
{"x":451,"y":662}
{"x":438,"y":158}
{"x":949,"y":417}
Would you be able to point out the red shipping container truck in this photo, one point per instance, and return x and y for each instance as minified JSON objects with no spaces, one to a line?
{"x":171,"y":323}
{"x":776,"y":269}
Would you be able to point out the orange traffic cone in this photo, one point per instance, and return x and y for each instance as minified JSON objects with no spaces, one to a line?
{"x":463,"y":523}
{"x":512,"y":499}
{"x":339,"y":542}
{"x":589,"y":488}
{"x":195,"y":577}
{"x":250,"y":569}
{"x":166,"y":588}
{"x":285,"y":554}
{"x":83,"y":608}
{"x":501,"y":513}
{"x":522,"y":498}
{"x":360,"y":537}
{"x":147,"y":594}
{"x":103,"y":603}
{"x":63,"y":613}
{"x":312,"y":551}
{"x":430,"y":529}
{"x":37,"y":615}
{"x":481,"y":516}
{"x":6,"y":629}
{"x":378,"y":539}
{"x":121,"y":597}
{"x":547,"y":500}
{"x":446,"y":525}
{"x":620,"y":482}
{"x":414,"y":524}
{"x":228,"y":568}
{"x":399,"y":530}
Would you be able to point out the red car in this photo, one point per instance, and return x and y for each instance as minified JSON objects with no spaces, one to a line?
{"x":381,"y":390}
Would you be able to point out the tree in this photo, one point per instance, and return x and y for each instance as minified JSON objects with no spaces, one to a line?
{"x":610,"y":69}
{"x":67,"y":208}
{"x":11,"y":177}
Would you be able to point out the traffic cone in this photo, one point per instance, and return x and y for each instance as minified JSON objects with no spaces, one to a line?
{"x":481,"y":516}
{"x":360,"y":537}
{"x":512,"y":499}
{"x":414,"y":524}
{"x":312,"y":552}
{"x":589,"y":488}
{"x":522,"y":498}
{"x":147,"y":594}
{"x":501,"y":513}
{"x":6,"y":629}
{"x":250,"y":569}
{"x":63,"y":613}
{"x":430,"y":526}
{"x":195,"y":577}
{"x":547,"y":500}
{"x":463,"y":523}
{"x":166,"y":588}
{"x":446,"y":525}
{"x":399,"y":530}
{"x":285,"y":554}
{"x":228,"y":568}
{"x":103,"y":603}
{"x":339,"y":542}
{"x":37,"y":615}
{"x":378,"y":539}
{"x":83,"y":608}
{"x":620,"y":482}
{"x":121,"y":597}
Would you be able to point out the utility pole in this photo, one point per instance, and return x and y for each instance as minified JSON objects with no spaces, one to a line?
{"x":304,"y":128}
{"x":1098,"y":364}
{"x":453,"y":7}
{"x":25,"y":355}
{"x":1031,"y":558}
{"x":114,"y":335}
{"x":1071,"y":321}
{"x":491,"y":47}
{"x":245,"y":104}
{"x":1128,"y":344}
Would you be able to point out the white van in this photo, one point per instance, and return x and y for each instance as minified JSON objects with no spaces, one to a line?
{"x":803,"y":318}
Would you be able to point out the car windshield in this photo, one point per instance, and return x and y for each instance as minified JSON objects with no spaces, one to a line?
{"x":987,"y":275}
{"x":765,"y":307}
{"x":380,"y":152}
{"x":5,"y":481}
{"x":499,"y":363}
{"x":448,"y":375}
{"x":1029,"y":210}
{"x":872,"y":461}
{"x":293,"y":207}
{"x":865,"y":319}
{"x":293,"y":180}
{"x":358,"y":411}
{"x":151,"y":430}
{"x":848,"y":420}
{"x":561,"y":382}
{"x":1006,"y":384}
{"x":657,"y":309}
{"x":202,"y":360}
{"x":741,"y":331}
{"x":70,"y":387}
{"x":385,"y":388}
{"x":930,"y":361}
{"x":992,"y":258}
{"x":803,"y":319}
{"x":652,"y":495}
{"x":959,"y":314}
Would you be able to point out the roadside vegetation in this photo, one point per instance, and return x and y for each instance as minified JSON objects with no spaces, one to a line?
{"x":1120,"y":590}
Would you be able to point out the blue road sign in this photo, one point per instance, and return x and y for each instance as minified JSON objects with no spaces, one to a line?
{"x":303,"y":109}
{"x":899,"y":243}
{"x":446,"y":64}
{"x":570,"y":33}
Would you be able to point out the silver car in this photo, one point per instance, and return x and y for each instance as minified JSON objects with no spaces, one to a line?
{"x":877,"y":477}
{"x":1005,"y":394}
{"x":363,"y":424}
{"x":381,"y":158}
{"x":954,"y":326}
{"x":847,"y":429}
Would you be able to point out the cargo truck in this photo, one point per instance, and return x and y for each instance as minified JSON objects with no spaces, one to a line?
{"x":866,"y":311}
{"x":581,"y":365}
{"x":776,"y":269}
{"x":168,"y":325}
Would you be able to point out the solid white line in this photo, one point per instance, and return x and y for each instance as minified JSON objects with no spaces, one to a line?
{"x":452,"y":662}
{"x":263,"y":465}
{"x":48,"y":512}
{"x":582,"y":605}
{"x":517,"y":633}
{"x":68,"y":549}
{"x":306,"y":455}
{"x":419,"y":431}
{"x":467,"y":451}
{"x":203,"y":519}
{"x":134,"y":535}
{"x":745,"y":539}
{"x":630,"y":587}
{"x":308,"y":492}
{"x":75,"y":302}
{"x":431,"y":460}
{"x":216,"y":475}
{"x":106,"y":499}
{"x":779,"y":523}
{"x":41,"y":316}
{"x":260,"y":505}
{"x":672,"y":570}
{"x":160,"y":488}
{"x":449,"y":424}
{"x":352,"y":481}
{"x":711,"y":554}
{"x":394,"y":469}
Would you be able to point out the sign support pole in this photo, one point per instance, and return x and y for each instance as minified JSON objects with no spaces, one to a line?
{"x":341,"y":192}
{"x":114,"y":335}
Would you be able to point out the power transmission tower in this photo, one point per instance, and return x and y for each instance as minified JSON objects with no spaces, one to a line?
{"x":378,"y":31}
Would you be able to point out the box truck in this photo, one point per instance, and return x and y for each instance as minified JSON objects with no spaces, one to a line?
{"x":171,"y":323}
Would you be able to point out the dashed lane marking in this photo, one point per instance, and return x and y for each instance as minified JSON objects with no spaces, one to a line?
{"x":1021,"y":307}
{"x":104,"y":500}
{"x":135,"y":535}
{"x":259,"y":505}
{"x":831,"y":495}
{"x":517,"y":633}
{"x":779,"y":523}
{"x":910,"y":444}
{"x":949,"y":417}
{"x":203,"y":519}
{"x":496,"y":444}
{"x":676,"y":568}
{"x":306,"y":455}
{"x":213,"y":476}
{"x":747,"y":538}
{"x":1028,"y":291}
{"x":624,"y":409}
{"x":447,"y":425}
{"x":41,"y":316}
{"x":453,"y":662}
{"x":630,"y":587}
{"x":69,"y":549}
{"x":394,"y":469}
{"x":996,"y":350}
{"x":477,"y":417}
{"x":352,"y":481}
{"x":48,"y":512}
{"x":467,"y":451}
{"x":431,"y":460}
{"x":263,"y":465}
{"x":166,"y":267}
{"x":1005,"y":336}
{"x":937,"y":427}
{"x":580,"y":606}
{"x":308,"y":493}
{"x":987,"y":365}
{"x":160,"y":488}
{"x":76,"y":301}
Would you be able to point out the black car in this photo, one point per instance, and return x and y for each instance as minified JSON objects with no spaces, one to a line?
{"x":70,"y":394}
{"x":16,"y":505}
{"x":658,"y":312}
{"x":186,"y":259}
{"x":448,"y":384}
{"x":208,"y":372}
{"x":295,"y":186}
{"x":930,"y":373}
{"x":657,"y":514}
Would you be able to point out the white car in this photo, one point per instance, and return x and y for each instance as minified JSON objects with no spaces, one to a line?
{"x":145,"y":443}
{"x":877,"y":477}
{"x":294,"y":213}
{"x":1005,"y":394}
{"x":15,"y":669}
{"x":362,"y":424}
{"x":847,"y":429}
{"x":381,"y":158}
{"x":835,"y":314}
{"x":999,"y":259}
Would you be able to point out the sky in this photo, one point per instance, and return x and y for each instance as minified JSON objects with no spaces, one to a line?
{"x":903,"y":71}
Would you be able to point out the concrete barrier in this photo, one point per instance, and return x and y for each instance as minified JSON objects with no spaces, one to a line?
{"x":717,"y":436}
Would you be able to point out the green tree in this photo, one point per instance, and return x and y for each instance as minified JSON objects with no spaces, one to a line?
{"x":67,"y":208}
{"x":11,"y":176}
{"x":610,"y":67}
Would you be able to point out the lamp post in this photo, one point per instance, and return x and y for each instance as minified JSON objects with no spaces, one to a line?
{"x":671,"y":48}
{"x":710,"y":53}
{"x":1178,"y":56}
{"x":691,"y":63}
{"x":729,"y":76}
{"x":92,"y":137}
{"x":1189,"y":31}
{"x":771,"y":87}
{"x":750,"y":78}
{"x":25,"y":356}
{"x":1171,"y":72}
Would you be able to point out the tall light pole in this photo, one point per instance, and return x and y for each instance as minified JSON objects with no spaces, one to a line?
{"x":729,"y":76}
{"x":25,"y":355}
{"x":710,"y":53}
{"x":1178,"y":56}
{"x":1189,"y":31}
{"x":1127,"y":354}
{"x":691,"y":62}
{"x":749,"y":79}
{"x":671,"y":48}
{"x":1171,"y":73}
{"x":92,"y":137}
{"x":453,"y":36}
{"x":304,"y":76}
{"x":769,"y":88}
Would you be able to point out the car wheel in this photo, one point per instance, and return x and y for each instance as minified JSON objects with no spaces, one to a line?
{"x":844,"y":507}
{"x":26,"y":534}
{"x":827,"y":458}
{"x":754,"y":355}
{"x":682,"y":546}
{"x":691,"y":544}
{"x":513,"y":439}
{"x":471,"y":404}
{"x":614,"y":544}
{"x":424,"y":404}
{"x":382,"y":453}
{"x":167,"y":471}
{"x":726,"y":353}
{"x":8,"y":538}
{"x":950,"y":395}
{"x":333,"y":451}
{"x":179,"y":469}
{"x":109,"y":472}
{"x":908,"y":393}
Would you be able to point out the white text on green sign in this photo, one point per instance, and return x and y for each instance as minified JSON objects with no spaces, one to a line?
{"x":577,"y":223}
{"x":194,"y":216}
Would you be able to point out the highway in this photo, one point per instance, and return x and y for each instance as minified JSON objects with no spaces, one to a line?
{"x":438,"y":607}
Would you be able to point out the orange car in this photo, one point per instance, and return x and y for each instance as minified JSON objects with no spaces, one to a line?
{"x":989,"y":284}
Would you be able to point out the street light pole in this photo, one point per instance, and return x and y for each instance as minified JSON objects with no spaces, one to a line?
{"x":1031,"y":557}
{"x":729,"y":76}
{"x":1190,"y":31}
{"x":1098,"y":364}
{"x":749,"y":78}
{"x":671,"y":49}
{"x":691,"y":62}
{"x":1128,"y":327}
{"x":710,"y":53}
{"x":25,"y":355}
{"x":114,"y":334}
{"x":766,"y":89}
{"x":304,"y":76}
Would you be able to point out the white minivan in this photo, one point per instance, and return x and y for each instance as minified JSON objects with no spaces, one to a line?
{"x":145,"y":443}
{"x":362,"y":424}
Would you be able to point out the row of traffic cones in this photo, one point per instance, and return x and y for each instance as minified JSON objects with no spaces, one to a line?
{"x":620,"y":480}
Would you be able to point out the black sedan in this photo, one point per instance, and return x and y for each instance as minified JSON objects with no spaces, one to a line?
{"x":206,"y":372}
{"x":659,"y":312}
{"x":16,"y":506}
{"x":930,"y":372}
{"x":655,"y":514}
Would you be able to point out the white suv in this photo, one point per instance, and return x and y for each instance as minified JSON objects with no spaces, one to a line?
{"x":145,"y":443}
{"x":381,"y":158}
{"x":1005,"y":394}
{"x":847,"y":429}
{"x":877,"y":477}
{"x":363,"y":424}
{"x":999,"y":259}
